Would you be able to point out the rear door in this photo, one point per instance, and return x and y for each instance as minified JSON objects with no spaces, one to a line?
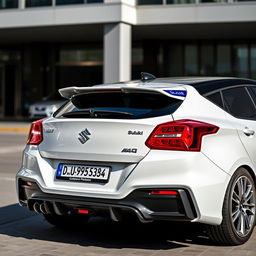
{"x":240,"y":104}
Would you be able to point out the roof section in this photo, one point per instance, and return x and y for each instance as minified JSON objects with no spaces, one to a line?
{"x":204,"y":84}
{"x":188,"y":80}
{"x":215,"y":84}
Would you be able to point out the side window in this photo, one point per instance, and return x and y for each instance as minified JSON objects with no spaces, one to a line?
{"x":216,"y":99}
{"x":252,"y":91}
{"x":239,"y":103}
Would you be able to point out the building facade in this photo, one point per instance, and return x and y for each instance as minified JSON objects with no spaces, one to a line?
{"x":49,"y":44}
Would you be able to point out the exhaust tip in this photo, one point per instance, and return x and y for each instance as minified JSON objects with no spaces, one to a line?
{"x":114,"y":214}
{"x":42,"y":208}
{"x":36,"y":207}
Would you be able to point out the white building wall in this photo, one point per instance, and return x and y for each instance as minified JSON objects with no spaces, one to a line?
{"x":196,"y":13}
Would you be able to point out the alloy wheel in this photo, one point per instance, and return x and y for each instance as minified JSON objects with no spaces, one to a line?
{"x":243,"y":206}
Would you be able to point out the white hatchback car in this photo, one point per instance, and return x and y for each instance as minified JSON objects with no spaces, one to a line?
{"x":162,"y":149}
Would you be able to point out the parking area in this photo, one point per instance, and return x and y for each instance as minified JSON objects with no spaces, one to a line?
{"x":25,"y":233}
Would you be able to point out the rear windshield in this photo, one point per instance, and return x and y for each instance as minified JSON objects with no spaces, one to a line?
{"x":119,"y":105}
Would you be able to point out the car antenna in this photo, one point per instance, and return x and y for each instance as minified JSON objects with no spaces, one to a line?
{"x":147,"y":77}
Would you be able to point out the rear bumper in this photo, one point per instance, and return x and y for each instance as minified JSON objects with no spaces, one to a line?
{"x":193,"y":172}
{"x":147,"y":207}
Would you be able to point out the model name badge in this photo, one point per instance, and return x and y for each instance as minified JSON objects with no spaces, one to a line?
{"x":49,"y":130}
{"x":129,"y":150}
{"x":177,"y":92}
{"x":135,"y":132}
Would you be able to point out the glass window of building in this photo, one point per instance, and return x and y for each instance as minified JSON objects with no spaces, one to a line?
{"x":253,"y":61}
{"x":79,"y":66}
{"x":11,"y":56}
{"x":207,"y":60}
{"x":241,"y":57}
{"x":137,"y":56}
{"x":7,"y":4}
{"x":191,"y":60}
{"x":66,"y":2}
{"x":173,"y":60}
{"x":212,"y":1}
{"x":148,"y":2}
{"x":9,"y":81}
{"x":92,"y":56}
{"x":93,"y":1}
{"x":223,"y":59}
{"x":38,"y":3}
{"x":137,"y":61}
{"x":180,"y":1}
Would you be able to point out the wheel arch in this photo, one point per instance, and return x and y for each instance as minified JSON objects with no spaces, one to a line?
{"x":226,"y":233}
{"x":251,"y":172}
{"x":246,"y":167}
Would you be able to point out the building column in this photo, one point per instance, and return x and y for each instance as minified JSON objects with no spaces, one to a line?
{"x":21,"y":4}
{"x":117,"y":52}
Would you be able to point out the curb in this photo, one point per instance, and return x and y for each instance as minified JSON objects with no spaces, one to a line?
{"x":14,"y":129}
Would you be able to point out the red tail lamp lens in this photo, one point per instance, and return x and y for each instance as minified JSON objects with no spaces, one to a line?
{"x":35,"y":136}
{"x":163,"y":192}
{"x":82,"y":211}
{"x":184,"y":135}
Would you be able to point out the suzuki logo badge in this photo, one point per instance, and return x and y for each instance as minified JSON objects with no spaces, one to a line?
{"x":84,"y":136}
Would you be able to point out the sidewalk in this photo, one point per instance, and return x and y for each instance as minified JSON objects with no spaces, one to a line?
{"x":17,"y":127}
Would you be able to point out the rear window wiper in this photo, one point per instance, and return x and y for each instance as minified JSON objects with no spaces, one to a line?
{"x":97,"y":113}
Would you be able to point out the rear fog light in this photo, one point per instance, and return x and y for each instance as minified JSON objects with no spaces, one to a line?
{"x":163,"y":192}
{"x":82,"y":211}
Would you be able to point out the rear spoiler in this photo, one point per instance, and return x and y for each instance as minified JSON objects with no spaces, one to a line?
{"x":178,"y":92}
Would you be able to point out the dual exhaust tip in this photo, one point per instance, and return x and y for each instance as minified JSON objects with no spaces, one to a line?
{"x":43,"y":208}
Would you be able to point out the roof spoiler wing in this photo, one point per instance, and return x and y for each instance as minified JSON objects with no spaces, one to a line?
{"x":69,"y":92}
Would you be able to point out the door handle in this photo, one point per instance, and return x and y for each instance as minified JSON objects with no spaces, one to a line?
{"x":248,"y":132}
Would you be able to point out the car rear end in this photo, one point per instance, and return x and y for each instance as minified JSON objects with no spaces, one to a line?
{"x":119,"y":149}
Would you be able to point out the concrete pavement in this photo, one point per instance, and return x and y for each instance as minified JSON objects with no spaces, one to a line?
{"x":11,"y":146}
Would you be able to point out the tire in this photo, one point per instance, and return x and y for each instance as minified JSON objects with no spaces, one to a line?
{"x":238,"y":211}
{"x":66,"y":221}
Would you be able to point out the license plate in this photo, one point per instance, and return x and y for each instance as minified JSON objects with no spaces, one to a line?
{"x":86,"y":173}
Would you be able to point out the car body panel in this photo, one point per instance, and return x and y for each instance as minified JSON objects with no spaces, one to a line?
{"x":63,"y":140}
{"x":216,"y":146}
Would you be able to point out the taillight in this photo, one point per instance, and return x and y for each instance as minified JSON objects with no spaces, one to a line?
{"x":163,"y":192}
{"x":82,"y":211}
{"x":184,"y":135}
{"x":35,"y":136}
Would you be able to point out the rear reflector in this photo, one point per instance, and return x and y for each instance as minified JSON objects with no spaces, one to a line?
{"x":35,"y":136}
{"x":82,"y":211}
{"x":27,"y":183}
{"x":163,"y":192}
{"x":183,"y":135}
